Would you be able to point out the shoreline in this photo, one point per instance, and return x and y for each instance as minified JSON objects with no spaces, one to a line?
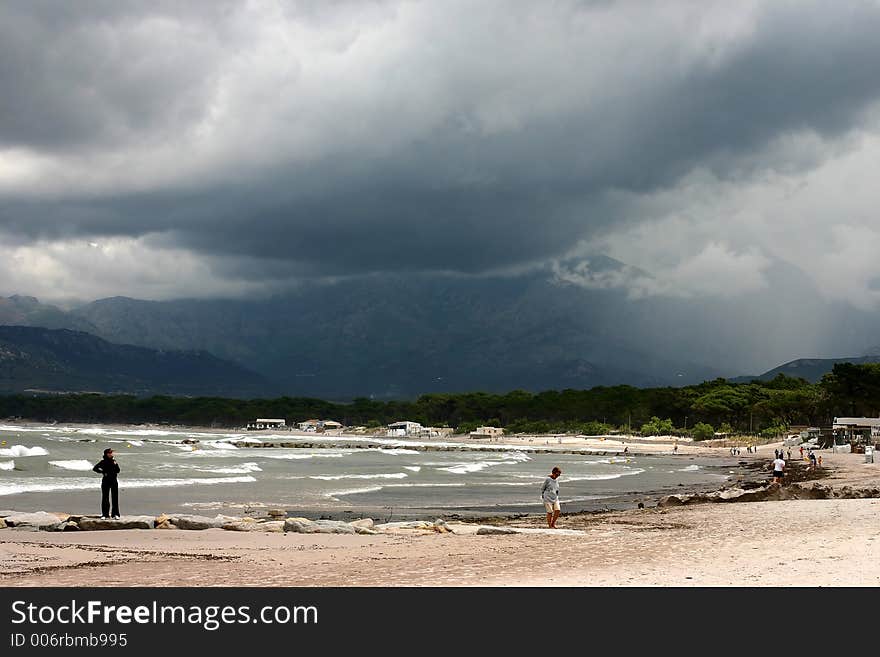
{"x":805,"y":542}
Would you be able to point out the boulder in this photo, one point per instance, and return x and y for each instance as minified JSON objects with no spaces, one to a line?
{"x":68,"y":526}
{"x":367,"y":523}
{"x":125,"y":522}
{"x":305,"y":526}
{"x":243,"y":525}
{"x":365,"y":530}
{"x":671,"y":500}
{"x":200,"y":522}
{"x":300,"y":526}
{"x":6,"y":512}
{"x":270,"y":526}
{"x":2,"y":523}
{"x":37,"y":520}
{"x":334,"y":527}
{"x":277,"y":514}
{"x":441,"y":527}
{"x":489,"y":530}
{"x":410,"y":524}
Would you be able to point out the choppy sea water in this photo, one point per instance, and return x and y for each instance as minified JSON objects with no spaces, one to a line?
{"x":49,"y":468}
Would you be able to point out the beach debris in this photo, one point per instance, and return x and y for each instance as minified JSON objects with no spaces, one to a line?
{"x":164,"y":522}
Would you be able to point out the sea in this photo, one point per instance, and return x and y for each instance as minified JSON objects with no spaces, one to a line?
{"x":181,"y":471}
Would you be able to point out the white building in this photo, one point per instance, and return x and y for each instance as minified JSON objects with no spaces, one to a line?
{"x":266,"y":423}
{"x":405,"y":428}
{"x":487,"y":432}
{"x":856,"y":430}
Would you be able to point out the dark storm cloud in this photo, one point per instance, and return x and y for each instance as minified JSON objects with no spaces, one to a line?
{"x":496,"y":178}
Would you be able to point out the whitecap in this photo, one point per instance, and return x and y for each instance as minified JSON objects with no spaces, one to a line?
{"x":353,"y":491}
{"x":397,"y":451}
{"x":81,"y":465}
{"x":21,"y":450}
{"x":413,"y":468}
{"x":244,"y":468}
{"x":690,"y":468}
{"x":394,"y":475}
{"x":7,"y":465}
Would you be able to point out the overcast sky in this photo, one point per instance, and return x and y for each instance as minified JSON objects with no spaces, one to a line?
{"x":167,"y":149}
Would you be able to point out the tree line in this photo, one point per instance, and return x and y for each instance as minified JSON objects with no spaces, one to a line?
{"x":767,"y":407}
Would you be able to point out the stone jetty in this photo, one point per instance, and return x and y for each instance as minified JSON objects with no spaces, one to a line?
{"x":57,"y":522}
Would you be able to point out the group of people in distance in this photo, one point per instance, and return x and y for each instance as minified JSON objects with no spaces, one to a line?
{"x":779,"y":462}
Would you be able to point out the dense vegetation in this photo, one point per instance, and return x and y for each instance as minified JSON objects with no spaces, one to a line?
{"x":697,"y":410}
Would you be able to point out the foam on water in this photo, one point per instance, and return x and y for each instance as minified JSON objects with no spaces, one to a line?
{"x":601,"y":477}
{"x":219,"y":444}
{"x":395,"y":452}
{"x":467,"y":468}
{"x":7,"y":465}
{"x":244,"y":468}
{"x":21,"y":450}
{"x":99,"y":431}
{"x":412,"y":468}
{"x":353,"y":491}
{"x":690,"y":468}
{"x":298,"y":457}
{"x":81,"y":465}
{"x":394,"y":475}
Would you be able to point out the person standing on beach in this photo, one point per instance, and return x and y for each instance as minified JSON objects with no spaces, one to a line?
{"x":550,"y":496}
{"x":778,"y":470}
{"x":108,"y":468}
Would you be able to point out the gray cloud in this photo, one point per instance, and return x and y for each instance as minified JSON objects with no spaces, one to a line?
{"x":302,"y":141}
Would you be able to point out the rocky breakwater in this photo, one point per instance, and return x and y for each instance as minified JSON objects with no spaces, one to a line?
{"x":272,"y":523}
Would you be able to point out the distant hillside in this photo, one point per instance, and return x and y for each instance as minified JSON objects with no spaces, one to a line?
{"x":19,"y":310}
{"x":811,"y":369}
{"x":61,"y":360}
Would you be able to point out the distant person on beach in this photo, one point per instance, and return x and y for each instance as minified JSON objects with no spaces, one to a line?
{"x":108,"y":468}
{"x":789,"y":454}
{"x":550,"y":496}
{"x":778,"y":470}
{"x":802,"y":451}
{"x":812,"y":460}
{"x":675,"y":448}
{"x":820,"y":460}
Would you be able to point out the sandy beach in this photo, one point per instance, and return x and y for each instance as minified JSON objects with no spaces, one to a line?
{"x":824,"y":542}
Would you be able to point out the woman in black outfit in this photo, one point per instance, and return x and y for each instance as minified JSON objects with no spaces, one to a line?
{"x":108,"y":468}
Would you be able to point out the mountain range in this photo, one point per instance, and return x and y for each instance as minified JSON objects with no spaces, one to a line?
{"x":396,"y":336}
{"x":60,"y":360}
